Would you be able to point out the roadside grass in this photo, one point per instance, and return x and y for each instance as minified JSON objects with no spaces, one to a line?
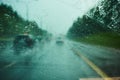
{"x":104,"y":39}
{"x":6,"y":38}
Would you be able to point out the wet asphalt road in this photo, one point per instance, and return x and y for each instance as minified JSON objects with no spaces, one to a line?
{"x":50,"y":61}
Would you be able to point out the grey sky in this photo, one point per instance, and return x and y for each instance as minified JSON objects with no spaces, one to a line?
{"x":55,"y":16}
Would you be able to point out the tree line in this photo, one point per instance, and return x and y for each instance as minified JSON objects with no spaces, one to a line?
{"x":12,"y":24}
{"x":105,"y":17}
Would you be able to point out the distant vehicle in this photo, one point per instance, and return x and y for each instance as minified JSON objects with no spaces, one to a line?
{"x":59,"y":41}
{"x":22,"y":42}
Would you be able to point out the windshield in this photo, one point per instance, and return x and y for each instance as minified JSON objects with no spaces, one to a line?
{"x":59,"y":39}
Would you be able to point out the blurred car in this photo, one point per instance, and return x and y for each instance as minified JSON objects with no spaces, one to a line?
{"x":59,"y":41}
{"x":22,"y":42}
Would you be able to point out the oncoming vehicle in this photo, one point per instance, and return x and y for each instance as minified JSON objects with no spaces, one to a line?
{"x":22,"y":43}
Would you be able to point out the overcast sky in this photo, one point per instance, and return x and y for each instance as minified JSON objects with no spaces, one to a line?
{"x":55,"y":16}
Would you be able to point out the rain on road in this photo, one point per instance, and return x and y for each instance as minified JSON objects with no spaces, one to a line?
{"x":57,"y":62}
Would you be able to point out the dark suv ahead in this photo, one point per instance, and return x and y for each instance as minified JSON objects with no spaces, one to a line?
{"x":22,"y":43}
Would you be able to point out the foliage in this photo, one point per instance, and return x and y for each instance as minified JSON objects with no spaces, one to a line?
{"x":12,"y":24}
{"x":86,"y":26}
{"x":105,"y":17}
{"x":108,"y":12}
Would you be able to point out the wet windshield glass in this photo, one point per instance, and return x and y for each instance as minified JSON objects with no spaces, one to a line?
{"x":59,"y":39}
